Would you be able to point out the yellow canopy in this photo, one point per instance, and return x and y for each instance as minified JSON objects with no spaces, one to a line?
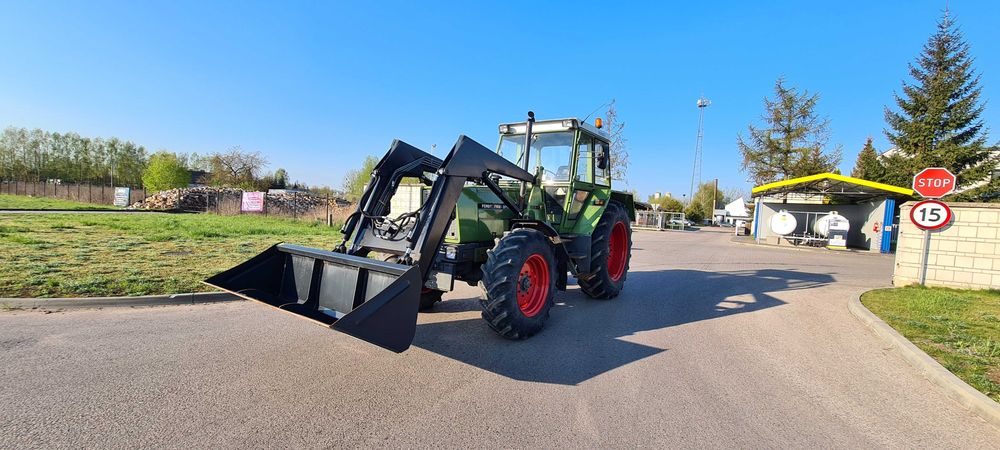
{"x":831,"y":184}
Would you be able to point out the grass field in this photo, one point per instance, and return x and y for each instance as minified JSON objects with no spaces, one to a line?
{"x":958,"y":328}
{"x":8,"y":201}
{"x":66,"y":255}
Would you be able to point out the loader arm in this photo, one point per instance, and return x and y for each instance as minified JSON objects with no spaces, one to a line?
{"x":467,"y":161}
{"x":402,"y":160}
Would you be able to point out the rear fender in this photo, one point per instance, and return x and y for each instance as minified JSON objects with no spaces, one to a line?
{"x":626,"y":200}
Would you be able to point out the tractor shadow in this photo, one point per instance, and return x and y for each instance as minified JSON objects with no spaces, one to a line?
{"x":583,"y":336}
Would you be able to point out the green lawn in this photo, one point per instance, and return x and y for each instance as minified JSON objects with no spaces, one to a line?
{"x":64,"y":255}
{"x":958,"y":328}
{"x":8,"y":201}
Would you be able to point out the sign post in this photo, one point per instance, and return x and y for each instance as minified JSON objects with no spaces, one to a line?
{"x":928,"y":215}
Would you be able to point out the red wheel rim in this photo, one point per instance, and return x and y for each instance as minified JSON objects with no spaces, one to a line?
{"x":617,"y":251}
{"x":533,"y":285}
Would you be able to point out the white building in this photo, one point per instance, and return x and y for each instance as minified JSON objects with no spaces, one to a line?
{"x":732,"y":212}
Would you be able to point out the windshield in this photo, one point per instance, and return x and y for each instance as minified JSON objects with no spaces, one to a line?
{"x":551,"y":151}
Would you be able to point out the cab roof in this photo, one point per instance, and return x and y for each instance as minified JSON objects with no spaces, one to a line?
{"x":552,"y":125}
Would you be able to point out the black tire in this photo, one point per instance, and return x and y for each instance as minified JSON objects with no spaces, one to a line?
{"x":508,"y":273}
{"x":601,"y":283}
{"x":428,"y":297}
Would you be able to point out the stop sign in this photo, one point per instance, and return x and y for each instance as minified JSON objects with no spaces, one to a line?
{"x":934,"y":182}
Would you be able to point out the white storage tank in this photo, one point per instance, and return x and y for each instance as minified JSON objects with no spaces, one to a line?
{"x":783,"y":223}
{"x":831,"y":223}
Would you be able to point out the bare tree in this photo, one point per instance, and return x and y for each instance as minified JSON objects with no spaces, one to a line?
{"x":237,"y":168}
{"x":619,"y":149}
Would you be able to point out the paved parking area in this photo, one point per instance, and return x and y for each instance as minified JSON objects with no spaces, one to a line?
{"x":712,"y":344}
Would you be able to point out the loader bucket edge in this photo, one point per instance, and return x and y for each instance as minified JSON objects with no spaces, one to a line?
{"x":371,"y":300}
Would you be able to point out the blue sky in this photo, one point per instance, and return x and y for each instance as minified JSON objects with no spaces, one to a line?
{"x":316,"y":86}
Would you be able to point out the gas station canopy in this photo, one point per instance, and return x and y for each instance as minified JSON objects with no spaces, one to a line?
{"x":833,"y":186}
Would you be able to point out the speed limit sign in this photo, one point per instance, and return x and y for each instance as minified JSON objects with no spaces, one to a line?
{"x":930,"y":215}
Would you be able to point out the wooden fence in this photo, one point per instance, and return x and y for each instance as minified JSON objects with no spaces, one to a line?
{"x":84,"y":193}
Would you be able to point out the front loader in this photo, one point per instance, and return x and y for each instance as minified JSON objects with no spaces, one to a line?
{"x":516,"y":221}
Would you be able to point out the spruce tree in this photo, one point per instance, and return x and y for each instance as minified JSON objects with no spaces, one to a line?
{"x":792,"y":141}
{"x":938,"y":119}
{"x":867,"y":166}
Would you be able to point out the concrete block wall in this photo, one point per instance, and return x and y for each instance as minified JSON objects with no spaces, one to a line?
{"x":965,"y":254}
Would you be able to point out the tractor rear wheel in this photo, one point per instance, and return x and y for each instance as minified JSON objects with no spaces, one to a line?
{"x":611,"y":250}
{"x":519,"y":283}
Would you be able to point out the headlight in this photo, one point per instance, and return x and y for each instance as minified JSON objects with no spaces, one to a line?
{"x":450,"y":252}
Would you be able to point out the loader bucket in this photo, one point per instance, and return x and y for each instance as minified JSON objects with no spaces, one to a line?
{"x":371,"y":300}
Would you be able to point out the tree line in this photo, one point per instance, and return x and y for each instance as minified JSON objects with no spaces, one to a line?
{"x":935,"y":123}
{"x":37,"y":155}
{"x":43,"y":156}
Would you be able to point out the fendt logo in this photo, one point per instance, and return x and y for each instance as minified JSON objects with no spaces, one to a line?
{"x":934,"y":182}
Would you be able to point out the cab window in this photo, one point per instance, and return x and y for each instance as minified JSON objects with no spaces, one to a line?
{"x":551,"y":151}
{"x":602,"y":176}
{"x":584,"y":165}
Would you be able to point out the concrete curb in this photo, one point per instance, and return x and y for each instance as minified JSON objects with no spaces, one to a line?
{"x":952,"y":386}
{"x":117,"y":302}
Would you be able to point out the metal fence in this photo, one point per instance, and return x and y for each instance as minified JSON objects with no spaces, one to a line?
{"x":659,"y":220}
{"x":84,"y":193}
{"x":295,"y":205}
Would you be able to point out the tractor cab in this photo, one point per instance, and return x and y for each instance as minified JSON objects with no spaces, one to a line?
{"x":569,"y":158}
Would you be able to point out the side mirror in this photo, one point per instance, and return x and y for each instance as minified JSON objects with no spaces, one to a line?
{"x":602,"y":157}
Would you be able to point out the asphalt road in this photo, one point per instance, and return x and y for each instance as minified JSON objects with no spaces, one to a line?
{"x":712,"y":344}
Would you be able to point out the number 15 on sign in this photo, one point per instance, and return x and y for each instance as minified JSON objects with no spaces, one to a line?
{"x":930,"y":215}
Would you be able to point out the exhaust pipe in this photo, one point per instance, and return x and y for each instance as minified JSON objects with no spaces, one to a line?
{"x":371,"y":300}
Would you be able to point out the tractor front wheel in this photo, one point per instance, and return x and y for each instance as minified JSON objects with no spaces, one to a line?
{"x":519,"y":283}
{"x":611,"y":250}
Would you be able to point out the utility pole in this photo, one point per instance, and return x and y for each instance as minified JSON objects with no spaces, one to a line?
{"x":696,"y":171}
{"x":715,"y":193}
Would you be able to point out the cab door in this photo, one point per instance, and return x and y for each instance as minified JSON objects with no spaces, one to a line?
{"x":581,"y":182}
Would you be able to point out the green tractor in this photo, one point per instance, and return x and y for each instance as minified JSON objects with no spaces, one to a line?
{"x":516,"y":221}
